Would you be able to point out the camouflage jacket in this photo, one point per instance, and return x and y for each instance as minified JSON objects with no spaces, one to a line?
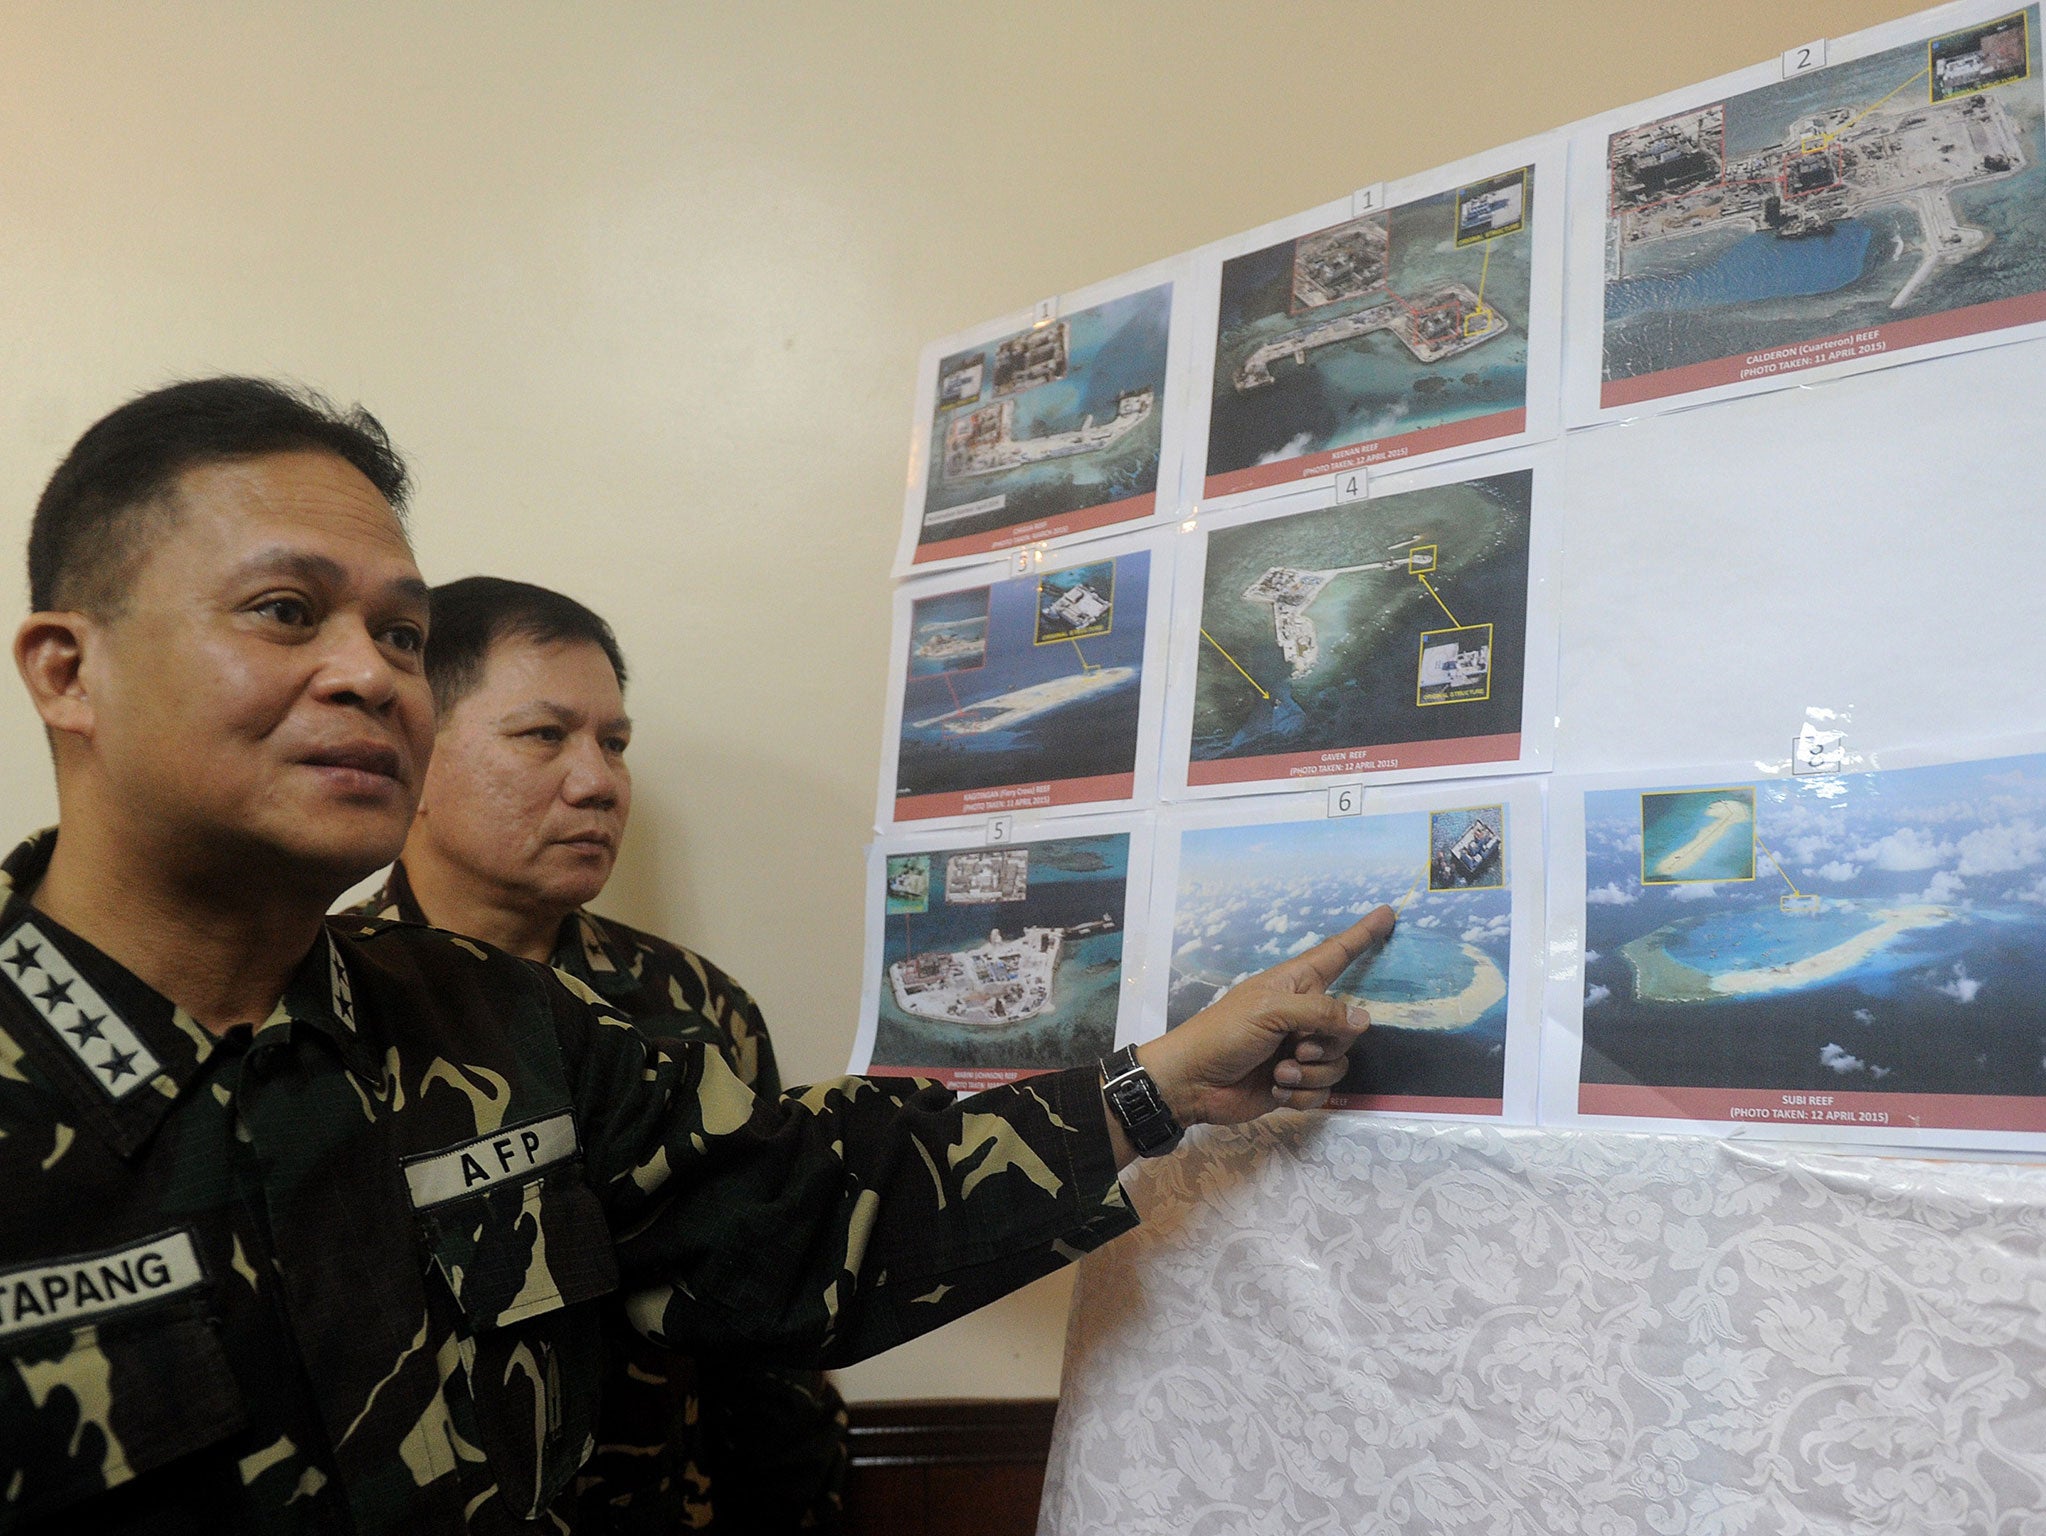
{"x":686,"y":1445}
{"x":343,"y":1271}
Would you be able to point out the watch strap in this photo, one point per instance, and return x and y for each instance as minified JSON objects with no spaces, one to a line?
{"x":1133,"y":1098}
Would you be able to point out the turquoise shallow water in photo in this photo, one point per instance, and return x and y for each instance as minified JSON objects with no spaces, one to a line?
{"x":1759,"y":266}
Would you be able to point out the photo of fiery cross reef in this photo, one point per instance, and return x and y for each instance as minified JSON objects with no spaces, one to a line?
{"x":1010,"y":958}
{"x":1901,"y":185}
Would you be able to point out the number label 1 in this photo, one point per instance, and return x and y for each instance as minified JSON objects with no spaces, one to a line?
{"x":1346,"y":800}
{"x":1804,"y":58}
{"x":1044,"y":312}
{"x":1001,"y":829}
{"x":1369,"y":199}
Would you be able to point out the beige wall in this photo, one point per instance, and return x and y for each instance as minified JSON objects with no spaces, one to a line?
{"x":640,"y":288}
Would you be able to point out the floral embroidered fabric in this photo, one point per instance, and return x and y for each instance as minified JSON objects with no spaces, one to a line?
{"x":1342,"y":1325}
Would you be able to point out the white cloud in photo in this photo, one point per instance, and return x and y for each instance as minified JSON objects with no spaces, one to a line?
{"x":1188,"y":947}
{"x":1590,"y":955}
{"x":1838,"y":870}
{"x":1278,"y":922}
{"x":1963,"y":988}
{"x":1999,"y":850}
{"x":1904,"y":850}
{"x":1840,"y":1061}
{"x":1292,"y":448}
{"x":1303,"y":944}
{"x":1596,"y":994}
{"x":1701,"y":890}
{"x":1943,"y":887}
{"x":1608,"y":895}
{"x":1863,"y":1016}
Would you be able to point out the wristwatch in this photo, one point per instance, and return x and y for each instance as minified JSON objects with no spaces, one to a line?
{"x":1137,"y":1103}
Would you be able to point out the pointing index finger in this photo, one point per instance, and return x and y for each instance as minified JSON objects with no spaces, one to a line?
{"x":1317,"y":969}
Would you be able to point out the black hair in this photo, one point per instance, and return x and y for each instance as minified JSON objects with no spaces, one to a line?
{"x":472,"y":615}
{"x":112,"y":492}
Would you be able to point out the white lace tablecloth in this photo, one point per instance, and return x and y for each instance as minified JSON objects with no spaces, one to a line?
{"x":1331,"y":1325}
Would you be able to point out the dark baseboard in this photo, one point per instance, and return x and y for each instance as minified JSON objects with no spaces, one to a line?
{"x":939,"y":1467}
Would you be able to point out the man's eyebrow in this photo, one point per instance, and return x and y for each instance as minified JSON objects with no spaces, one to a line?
{"x":321,"y":570}
{"x":302,"y":563}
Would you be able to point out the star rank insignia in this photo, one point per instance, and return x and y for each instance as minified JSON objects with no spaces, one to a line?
{"x":343,"y":995}
{"x":96,"y":1035}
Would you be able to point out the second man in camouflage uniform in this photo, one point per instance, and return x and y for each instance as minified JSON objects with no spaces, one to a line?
{"x":526,"y":802}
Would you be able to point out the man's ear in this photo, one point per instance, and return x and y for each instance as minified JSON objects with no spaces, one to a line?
{"x":49,"y":652}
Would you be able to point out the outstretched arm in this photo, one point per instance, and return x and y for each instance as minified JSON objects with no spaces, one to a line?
{"x":1275,"y":1040}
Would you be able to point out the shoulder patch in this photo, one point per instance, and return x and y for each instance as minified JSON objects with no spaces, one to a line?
{"x":506,"y":1157}
{"x":96,"y":1036}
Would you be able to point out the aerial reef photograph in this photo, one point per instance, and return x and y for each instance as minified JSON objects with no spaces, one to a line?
{"x":1396,"y":621}
{"x":1883,"y":937}
{"x":1392,"y":324}
{"x":1251,"y":896}
{"x":1029,"y":681}
{"x":1060,"y":418}
{"x":1900,"y":186}
{"x":1003,"y":957}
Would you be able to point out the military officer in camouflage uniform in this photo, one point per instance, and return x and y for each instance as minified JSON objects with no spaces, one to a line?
{"x":307,"y":1227}
{"x":526,"y":800}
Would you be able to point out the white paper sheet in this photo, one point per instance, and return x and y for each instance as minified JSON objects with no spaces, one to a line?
{"x":1762,"y":230}
{"x":1409,"y":635}
{"x":1426,"y":327}
{"x":994,"y":960}
{"x":1455,"y":998}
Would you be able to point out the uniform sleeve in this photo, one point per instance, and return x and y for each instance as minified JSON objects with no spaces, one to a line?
{"x":776,"y":1441}
{"x":839,"y":1220}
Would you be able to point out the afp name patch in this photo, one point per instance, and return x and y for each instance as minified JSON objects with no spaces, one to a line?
{"x":505,"y":1157}
{"x":85,"y":1286}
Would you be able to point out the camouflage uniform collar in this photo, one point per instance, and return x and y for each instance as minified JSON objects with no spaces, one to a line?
{"x":586,"y":947}
{"x":591,"y":952}
{"x":128,"y":1052}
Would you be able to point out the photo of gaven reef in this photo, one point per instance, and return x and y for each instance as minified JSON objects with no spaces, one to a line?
{"x":1887,"y":935}
{"x":1387,"y":325}
{"x":1016,"y":962}
{"x":1314,"y":624}
{"x":1906,"y":184}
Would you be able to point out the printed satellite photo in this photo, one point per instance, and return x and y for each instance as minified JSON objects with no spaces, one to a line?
{"x":1051,"y":430}
{"x":1407,"y":324}
{"x":1892,"y":200}
{"x":1251,"y":896}
{"x":1394,"y":628}
{"x":1014,"y":964}
{"x":1883,"y":938}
